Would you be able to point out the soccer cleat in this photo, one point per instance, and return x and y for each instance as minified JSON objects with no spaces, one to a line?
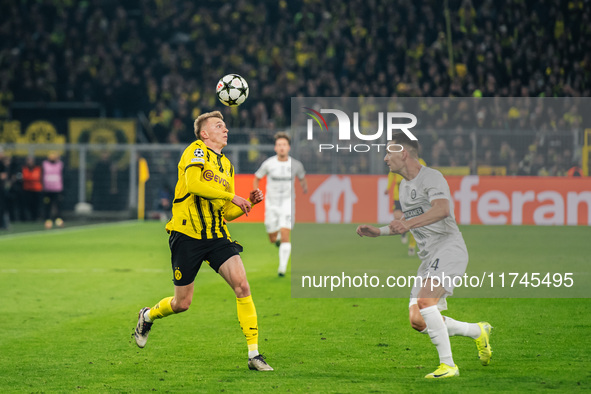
{"x":411,"y":251}
{"x":278,"y":243}
{"x":142,"y":329}
{"x":281,"y":274}
{"x":483,"y":344}
{"x":444,"y":371}
{"x":258,"y":363}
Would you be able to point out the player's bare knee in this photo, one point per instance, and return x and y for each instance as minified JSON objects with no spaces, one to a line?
{"x":416,"y":320}
{"x":242,"y":289}
{"x":418,"y":325}
{"x":181,"y":305}
{"x":423,"y":303}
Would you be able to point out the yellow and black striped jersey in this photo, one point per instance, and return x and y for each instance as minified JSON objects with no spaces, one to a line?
{"x":203,"y":193}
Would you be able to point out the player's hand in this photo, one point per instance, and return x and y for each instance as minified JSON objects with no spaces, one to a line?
{"x":365,"y":230}
{"x":242,"y":203}
{"x":399,"y":226}
{"x":387,"y":191}
{"x":256,"y":196}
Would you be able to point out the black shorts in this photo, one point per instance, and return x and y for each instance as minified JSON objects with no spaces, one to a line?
{"x":397,"y":205}
{"x":187,"y":255}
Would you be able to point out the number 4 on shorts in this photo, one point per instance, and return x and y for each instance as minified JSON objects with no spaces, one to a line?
{"x":435,"y":264}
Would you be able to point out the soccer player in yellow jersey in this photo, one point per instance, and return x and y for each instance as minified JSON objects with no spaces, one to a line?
{"x":204,"y":199}
{"x":394,"y":181}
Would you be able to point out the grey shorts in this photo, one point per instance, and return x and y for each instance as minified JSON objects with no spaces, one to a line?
{"x":445,"y":263}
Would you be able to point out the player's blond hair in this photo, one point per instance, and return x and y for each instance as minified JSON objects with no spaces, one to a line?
{"x":201,"y":119}
{"x":282,"y":134}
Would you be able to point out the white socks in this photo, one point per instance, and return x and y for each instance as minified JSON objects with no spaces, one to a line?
{"x":253,"y":353}
{"x":437,"y":330}
{"x":461,"y":328}
{"x":284,"y":253}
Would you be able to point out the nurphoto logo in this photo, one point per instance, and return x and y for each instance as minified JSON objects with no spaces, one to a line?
{"x":344,"y":129}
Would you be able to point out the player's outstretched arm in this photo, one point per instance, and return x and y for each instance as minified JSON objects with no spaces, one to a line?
{"x":366,"y":230}
{"x":256,"y":182}
{"x":202,"y":189}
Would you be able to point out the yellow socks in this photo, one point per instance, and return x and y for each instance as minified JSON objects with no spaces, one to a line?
{"x":247,"y":316}
{"x":161,"y":309}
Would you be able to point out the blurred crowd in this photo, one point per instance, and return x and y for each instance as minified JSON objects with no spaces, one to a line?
{"x":162,"y":58}
{"x":32,"y":190}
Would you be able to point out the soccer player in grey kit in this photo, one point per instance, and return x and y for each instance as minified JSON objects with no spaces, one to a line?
{"x":429,"y":215}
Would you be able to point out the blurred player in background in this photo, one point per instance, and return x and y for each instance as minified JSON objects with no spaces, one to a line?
{"x":428,"y":213}
{"x":204,"y":199}
{"x":281,"y":170}
{"x":394,"y":184}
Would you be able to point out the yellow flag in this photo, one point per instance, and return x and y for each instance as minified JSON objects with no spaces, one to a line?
{"x":144,"y":171}
{"x":143,"y":176}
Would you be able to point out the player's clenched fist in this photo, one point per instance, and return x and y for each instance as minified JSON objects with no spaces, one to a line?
{"x":398,"y":226}
{"x":256,"y":196}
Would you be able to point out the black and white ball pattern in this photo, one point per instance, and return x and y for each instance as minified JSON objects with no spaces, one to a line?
{"x":232,"y":90}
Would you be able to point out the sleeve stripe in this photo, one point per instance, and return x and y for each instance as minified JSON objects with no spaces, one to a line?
{"x":177,"y":200}
{"x":200,"y":165}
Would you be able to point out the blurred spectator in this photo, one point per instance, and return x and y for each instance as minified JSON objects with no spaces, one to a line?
{"x":163,"y":204}
{"x":575,"y":170}
{"x":13,"y":188}
{"x":32,"y":189}
{"x":53,"y":185}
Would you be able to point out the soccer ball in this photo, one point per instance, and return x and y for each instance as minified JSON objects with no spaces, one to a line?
{"x":232,"y":90}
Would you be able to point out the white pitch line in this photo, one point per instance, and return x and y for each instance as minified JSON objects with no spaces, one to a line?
{"x":79,"y":271}
{"x":66,"y":230}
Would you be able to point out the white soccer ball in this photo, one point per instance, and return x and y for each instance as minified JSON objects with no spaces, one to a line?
{"x":232,"y":90}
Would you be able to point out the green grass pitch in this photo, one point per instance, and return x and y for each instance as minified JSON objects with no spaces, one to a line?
{"x":69,"y":301}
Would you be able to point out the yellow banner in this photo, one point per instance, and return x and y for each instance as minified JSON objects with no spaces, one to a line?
{"x":103,"y":132}
{"x":492,"y":170}
{"x":38,"y":132}
{"x":454,"y":170}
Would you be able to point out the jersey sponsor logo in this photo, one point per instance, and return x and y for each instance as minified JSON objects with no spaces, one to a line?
{"x":209,"y":176}
{"x":199,"y":152}
{"x":413,"y":212}
{"x":413,"y":194}
{"x":279,"y":178}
